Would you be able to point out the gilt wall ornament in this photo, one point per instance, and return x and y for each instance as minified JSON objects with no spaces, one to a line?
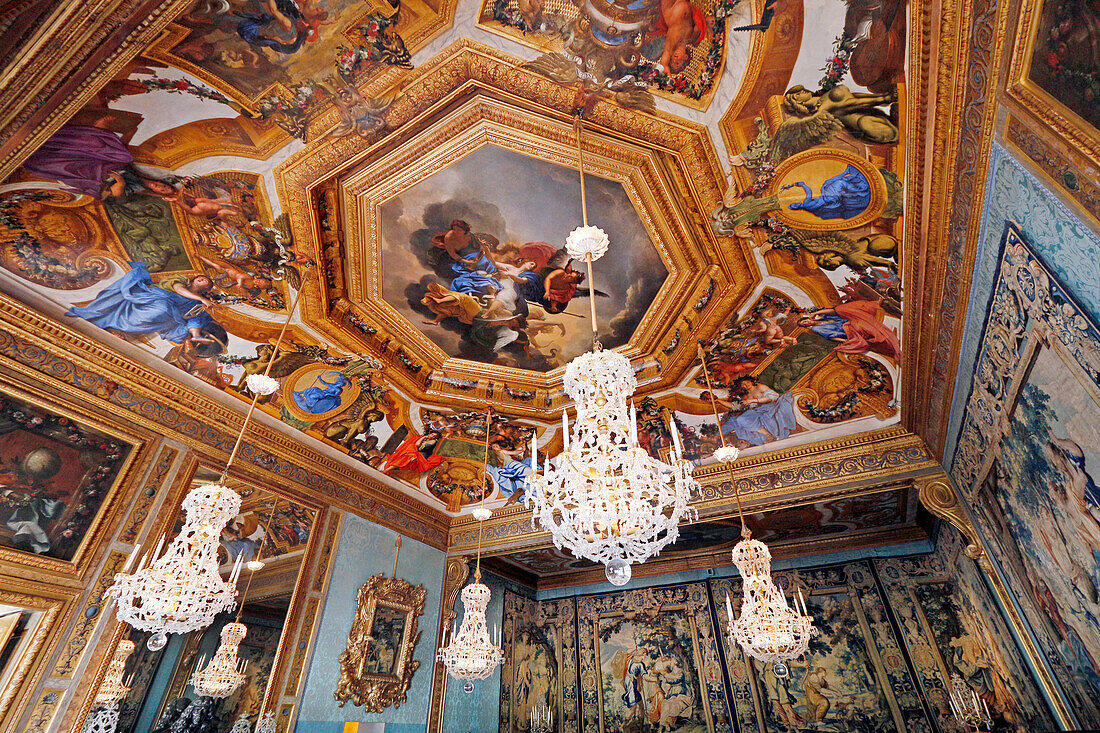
{"x":377,"y":667}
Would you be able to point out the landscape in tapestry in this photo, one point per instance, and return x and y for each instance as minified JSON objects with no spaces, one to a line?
{"x":479,"y":262}
{"x":1042,"y":495}
{"x":54,"y":477}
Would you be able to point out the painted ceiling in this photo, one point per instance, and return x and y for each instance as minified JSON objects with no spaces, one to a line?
{"x":408,"y":173}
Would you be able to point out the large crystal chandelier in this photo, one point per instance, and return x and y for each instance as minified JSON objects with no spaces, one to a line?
{"x":182,"y":590}
{"x":471,"y":654}
{"x":225,"y":672}
{"x":605,"y":498}
{"x":768,"y":629}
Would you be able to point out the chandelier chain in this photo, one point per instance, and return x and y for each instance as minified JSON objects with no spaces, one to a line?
{"x":745,"y":531}
{"x":256,"y":395}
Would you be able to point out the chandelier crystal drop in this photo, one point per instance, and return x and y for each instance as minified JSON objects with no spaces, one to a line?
{"x":182,"y":590}
{"x":225,"y":672}
{"x":472,"y":654}
{"x":604,"y":498}
{"x":266,"y":723}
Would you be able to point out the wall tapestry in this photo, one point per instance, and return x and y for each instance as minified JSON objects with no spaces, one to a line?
{"x":55,"y":474}
{"x":951,"y":625}
{"x":1028,"y":461}
{"x":649,"y":662}
{"x":854,"y":677}
{"x":540,"y":662}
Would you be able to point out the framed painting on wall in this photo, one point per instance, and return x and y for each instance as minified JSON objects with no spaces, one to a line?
{"x":58,"y":476}
{"x":1055,"y":71}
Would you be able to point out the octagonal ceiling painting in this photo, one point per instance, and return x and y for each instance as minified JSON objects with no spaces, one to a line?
{"x":474,"y":255}
{"x":166,"y":219}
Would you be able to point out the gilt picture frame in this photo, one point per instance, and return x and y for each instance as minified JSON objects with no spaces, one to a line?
{"x":377,"y":666}
{"x":62,"y":473}
{"x":1035,"y":79}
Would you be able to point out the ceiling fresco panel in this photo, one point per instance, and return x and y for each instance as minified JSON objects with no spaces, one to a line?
{"x":262,"y":150}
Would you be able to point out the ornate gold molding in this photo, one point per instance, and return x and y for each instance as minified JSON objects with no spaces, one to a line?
{"x":75,"y":51}
{"x":454,"y":577}
{"x":938,"y":496}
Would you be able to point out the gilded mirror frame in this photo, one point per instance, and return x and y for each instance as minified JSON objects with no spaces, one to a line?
{"x":371,"y":690}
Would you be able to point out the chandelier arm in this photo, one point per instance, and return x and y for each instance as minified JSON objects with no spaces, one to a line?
{"x":267,"y":373}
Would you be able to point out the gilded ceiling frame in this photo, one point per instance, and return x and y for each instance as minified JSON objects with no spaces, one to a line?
{"x":956,"y":47}
{"x":168,"y":406}
{"x":1057,"y":119}
{"x":66,"y":63}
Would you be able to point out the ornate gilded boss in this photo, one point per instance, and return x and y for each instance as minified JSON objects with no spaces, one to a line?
{"x":377,"y":667}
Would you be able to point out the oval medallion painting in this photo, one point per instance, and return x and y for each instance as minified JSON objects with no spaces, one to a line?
{"x":474,"y":256}
{"x":828,"y":190}
{"x":317,"y":392}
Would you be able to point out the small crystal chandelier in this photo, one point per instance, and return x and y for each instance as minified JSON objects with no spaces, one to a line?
{"x":266,"y":723}
{"x":968,"y":709}
{"x":115,"y":685}
{"x":104,"y":715}
{"x":182,"y":590}
{"x":768,"y":629}
{"x":542,"y":719}
{"x":226,"y":672}
{"x":472,"y":655}
{"x":605,"y":498}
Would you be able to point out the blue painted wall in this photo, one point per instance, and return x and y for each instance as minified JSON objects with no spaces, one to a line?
{"x":365,"y":550}
{"x":1066,"y":245}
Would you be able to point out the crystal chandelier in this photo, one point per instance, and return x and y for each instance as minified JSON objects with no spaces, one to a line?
{"x":768,"y":629}
{"x":472,"y":655}
{"x":182,"y":590}
{"x":104,"y":715}
{"x":225,"y":672}
{"x":115,"y":685}
{"x":605,"y":498}
{"x":266,"y":723}
{"x":968,"y":709}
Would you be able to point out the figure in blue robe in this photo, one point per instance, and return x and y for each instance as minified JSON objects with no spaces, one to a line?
{"x":512,"y":476}
{"x":317,"y":399}
{"x":843,"y":196}
{"x":830,"y":327}
{"x":134,"y":305}
{"x":776,"y":417}
{"x":250,"y":25}
{"x":475,"y":279}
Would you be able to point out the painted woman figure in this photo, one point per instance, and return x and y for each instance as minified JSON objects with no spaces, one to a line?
{"x":415,"y":454}
{"x":134,"y":305}
{"x":81,"y":157}
{"x":858,"y":326}
{"x":844,"y":196}
{"x":768,"y":415}
{"x":511,"y":475}
{"x":319,"y":398}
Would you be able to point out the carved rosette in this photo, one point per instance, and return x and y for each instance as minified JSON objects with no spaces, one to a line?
{"x":375,"y":689}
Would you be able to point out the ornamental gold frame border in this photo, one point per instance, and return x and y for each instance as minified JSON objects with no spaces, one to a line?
{"x":1057,"y":119}
{"x":55,"y":605}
